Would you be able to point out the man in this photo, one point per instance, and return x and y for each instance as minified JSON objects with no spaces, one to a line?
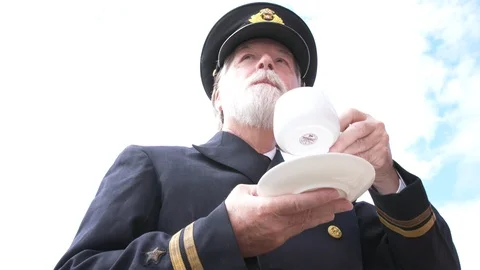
{"x":197,"y":207}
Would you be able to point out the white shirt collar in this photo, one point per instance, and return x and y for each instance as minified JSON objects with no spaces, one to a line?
{"x":271,"y":153}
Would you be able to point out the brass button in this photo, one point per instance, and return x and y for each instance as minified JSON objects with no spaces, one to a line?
{"x":334,"y":231}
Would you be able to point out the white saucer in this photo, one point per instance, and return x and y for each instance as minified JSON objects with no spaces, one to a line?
{"x":350,"y":175}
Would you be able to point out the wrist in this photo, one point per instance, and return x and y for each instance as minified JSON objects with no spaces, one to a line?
{"x":214,"y":238}
{"x":387,"y":183}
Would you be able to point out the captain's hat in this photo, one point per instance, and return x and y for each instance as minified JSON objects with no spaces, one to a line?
{"x":258,"y":20}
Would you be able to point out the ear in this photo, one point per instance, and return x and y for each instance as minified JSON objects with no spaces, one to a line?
{"x":217,"y":101}
{"x":218,"y":106}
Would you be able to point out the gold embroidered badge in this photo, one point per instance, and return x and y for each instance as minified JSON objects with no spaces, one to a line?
{"x":266,"y":15}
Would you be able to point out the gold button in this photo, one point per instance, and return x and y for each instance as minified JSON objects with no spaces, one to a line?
{"x":334,"y":231}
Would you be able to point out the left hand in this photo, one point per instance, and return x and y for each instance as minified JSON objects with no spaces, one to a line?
{"x":366,"y":137}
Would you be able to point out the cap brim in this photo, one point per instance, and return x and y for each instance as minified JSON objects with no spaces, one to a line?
{"x":275,"y":31}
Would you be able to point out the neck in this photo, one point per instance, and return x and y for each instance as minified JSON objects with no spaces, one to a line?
{"x":262,"y":140}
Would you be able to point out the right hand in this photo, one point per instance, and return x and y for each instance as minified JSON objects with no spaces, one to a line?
{"x":262,"y":224}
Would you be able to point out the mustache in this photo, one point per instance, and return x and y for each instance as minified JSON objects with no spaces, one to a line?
{"x":266,"y":76}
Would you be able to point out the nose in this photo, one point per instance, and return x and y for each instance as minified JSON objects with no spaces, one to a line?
{"x":265,"y":62}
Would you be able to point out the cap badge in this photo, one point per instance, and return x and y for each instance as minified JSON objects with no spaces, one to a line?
{"x":266,"y":15}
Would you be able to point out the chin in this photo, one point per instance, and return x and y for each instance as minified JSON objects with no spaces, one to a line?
{"x":255,"y":115}
{"x":255,"y":106}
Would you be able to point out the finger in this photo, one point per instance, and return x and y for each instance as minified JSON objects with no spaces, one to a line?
{"x":324,"y":212}
{"x":318,"y":215}
{"x":335,"y":206}
{"x":246,"y":189}
{"x":350,"y":117}
{"x":298,"y":203}
{"x":327,"y":213}
{"x":364,"y":144}
{"x":342,"y":205}
{"x":377,"y":156}
{"x":353,"y":133}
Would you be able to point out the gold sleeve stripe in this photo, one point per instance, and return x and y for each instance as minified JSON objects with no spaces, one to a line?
{"x":190,"y":249}
{"x":175,"y":254}
{"x":411,"y":233}
{"x":407,"y":223}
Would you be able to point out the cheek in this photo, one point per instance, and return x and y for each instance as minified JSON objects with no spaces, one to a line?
{"x":238,"y":76}
{"x":290,"y":81}
{"x":245,"y":73}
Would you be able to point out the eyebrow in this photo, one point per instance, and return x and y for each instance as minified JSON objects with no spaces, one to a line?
{"x":286,"y":52}
{"x":242,"y":47}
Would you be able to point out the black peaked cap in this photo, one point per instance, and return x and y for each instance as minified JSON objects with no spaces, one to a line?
{"x":258,"y":20}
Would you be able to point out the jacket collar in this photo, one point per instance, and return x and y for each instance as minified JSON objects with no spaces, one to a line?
{"x":230,"y":150}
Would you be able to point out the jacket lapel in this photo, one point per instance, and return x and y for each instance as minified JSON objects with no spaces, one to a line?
{"x":230,"y":150}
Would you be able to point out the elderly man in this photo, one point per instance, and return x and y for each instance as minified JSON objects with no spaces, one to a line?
{"x":197,"y":207}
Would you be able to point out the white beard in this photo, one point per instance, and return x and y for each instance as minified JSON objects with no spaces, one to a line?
{"x":253,"y":105}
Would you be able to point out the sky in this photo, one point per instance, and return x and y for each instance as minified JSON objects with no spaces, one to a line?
{"x":81,"y":80}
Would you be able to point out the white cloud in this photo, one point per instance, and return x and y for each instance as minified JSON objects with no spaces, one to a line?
{"x":457,"y":26}
{"x":463,"y":223}
{"x":81,"y":81}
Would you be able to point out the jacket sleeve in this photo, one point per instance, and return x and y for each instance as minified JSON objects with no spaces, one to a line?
{"x":119,"y":229}
{"x":404,"y":230}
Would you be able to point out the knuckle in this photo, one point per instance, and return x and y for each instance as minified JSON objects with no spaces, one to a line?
{"x":381,"y":125}
{"x":358,"y":125}
{"x":361,"y":142}
{"x":364,"y":155}
{"x":277,"y":228}
{"x":364,"y":128}
{"x":354,"y":111}
{"x":308,"y":215}
{"x":380,"y":162}
{"x":292,"y":221}
{"x":297,"y":206}
{"x":321,"y":200}
{"x":386,"y":137}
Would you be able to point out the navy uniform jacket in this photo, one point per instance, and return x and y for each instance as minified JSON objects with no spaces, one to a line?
{"x":163,"y":208}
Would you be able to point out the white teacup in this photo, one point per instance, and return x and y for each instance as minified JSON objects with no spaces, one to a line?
{"x":305,"y":122}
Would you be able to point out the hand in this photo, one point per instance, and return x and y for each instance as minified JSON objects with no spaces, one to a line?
{"x":366,"y":137}
{"x":262,"y":224}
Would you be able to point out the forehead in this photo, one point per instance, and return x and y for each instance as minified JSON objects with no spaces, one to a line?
{"x":264,"y":45}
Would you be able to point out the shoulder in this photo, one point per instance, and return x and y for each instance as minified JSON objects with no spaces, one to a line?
{"x":162,"y":154}
{"x":157,"y":150}
{"x":163,"y":151}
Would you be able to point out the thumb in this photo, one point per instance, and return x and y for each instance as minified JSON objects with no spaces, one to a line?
{"x":246,"y":189}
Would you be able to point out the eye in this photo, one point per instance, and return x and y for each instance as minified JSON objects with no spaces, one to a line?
{"x":246,"y":57}
{"x":281,"y":60}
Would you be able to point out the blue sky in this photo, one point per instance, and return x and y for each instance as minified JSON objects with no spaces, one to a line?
{"x":444,"y":187}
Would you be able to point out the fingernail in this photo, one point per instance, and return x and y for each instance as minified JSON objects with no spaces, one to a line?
{"x":348,"y":206}
{"x":343,"y":207}
{"x":334,"y":194}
